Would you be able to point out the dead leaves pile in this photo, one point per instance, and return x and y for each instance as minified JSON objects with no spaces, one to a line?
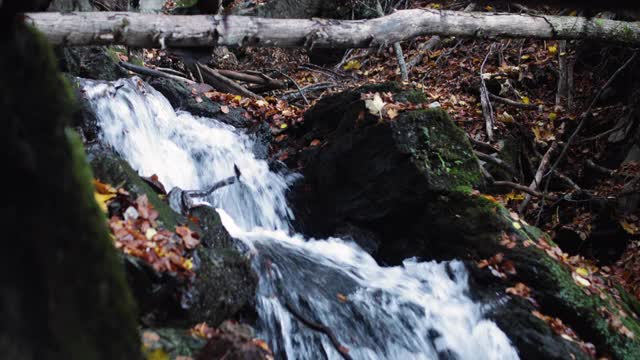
{"x":135,"y":230}
{"x":277,"y":113}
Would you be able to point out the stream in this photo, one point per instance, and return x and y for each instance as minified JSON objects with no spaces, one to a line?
{"x":420,"y":310}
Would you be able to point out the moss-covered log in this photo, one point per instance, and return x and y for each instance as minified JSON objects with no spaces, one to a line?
{"x":63,"y":294}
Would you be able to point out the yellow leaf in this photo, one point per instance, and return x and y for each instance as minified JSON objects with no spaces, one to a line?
{"x":582,"y":271}
{"x":353,"y":65}
{"x":553,"y":50}
{"x":102,"y":199}
{"x":188,"y":264}
{"x":514,"y":196}
{"x":488,"y":8}
{"x":516,"y":225}
{"x":157,"y":354}
{"x":525,"y":100}
{"x":629,"y":227}
{"x":553,"y":116}
{"x":525,"y":57}
{"x":283,"y":126}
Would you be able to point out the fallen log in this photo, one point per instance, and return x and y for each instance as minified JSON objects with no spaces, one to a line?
{"x":156,"y":30}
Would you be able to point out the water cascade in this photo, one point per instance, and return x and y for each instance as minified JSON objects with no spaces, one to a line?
{"x":420,"y":310}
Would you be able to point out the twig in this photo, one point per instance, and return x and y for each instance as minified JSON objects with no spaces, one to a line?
{"x":494,"y":160}
{"x":151,"y":72}
{"x":563,"y":83}
{"x":320,"y":69}
{"x":306,"y":101}
{"x":396,"y":48}
{"x":482,"y":145}
{"x":487,"y":109}
{"x":601,"y":169}
{"x":542,"y":168}
{"x":524,"y":189}
{"x":622,"y":124}
{"x":314,"y":87}
{"x":253,"y":77}
{"x":585,"y":114}
{"x":515,"y":103}
{"x":567,"y":180}
{"x":225,"y":84}
{"x":171,"y":71}
{"x":343,"y":351}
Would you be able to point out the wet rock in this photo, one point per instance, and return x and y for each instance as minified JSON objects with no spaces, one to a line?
{"x":231,"y":340}
{"x":224,"y":282}
{"x":182,"y":98}
{"x":91,"y":62}
{"x":234,"y":341}
{"x":410,"y":182}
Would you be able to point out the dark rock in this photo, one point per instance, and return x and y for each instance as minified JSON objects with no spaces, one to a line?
{"x":409,"y":181}
{"x":181,"y":98}
{"x":63,"y":293}
{"x":92,"y":62}
{"x":233,"y":341}
{"x":382,"y":177}
{"x":224,"y":282}
{"x":174,"y":342}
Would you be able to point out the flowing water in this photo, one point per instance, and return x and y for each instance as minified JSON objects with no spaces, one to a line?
{"x":420,"y":310}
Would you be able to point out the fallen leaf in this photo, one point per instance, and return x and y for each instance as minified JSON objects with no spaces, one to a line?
{"x":102,"y":200}
{"x":190,"y":241}
{"x":392,"y":113}
{"x":352,"y":65}
{"x":224,"y":109}
{"x":375,"y":105}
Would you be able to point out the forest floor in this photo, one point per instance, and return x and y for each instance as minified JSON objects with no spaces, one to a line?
{"x":583,"y":208}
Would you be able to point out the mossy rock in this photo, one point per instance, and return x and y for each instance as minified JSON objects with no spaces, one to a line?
{"x":92,"y":62}
{"x":63,"y":292}
{"x":556,"y":292}
{"x":224,"y":282}
{"x":340,"y":111}
{"x":410,"y":181}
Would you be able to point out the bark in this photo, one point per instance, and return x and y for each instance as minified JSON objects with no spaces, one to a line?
{"x":150,"y":30}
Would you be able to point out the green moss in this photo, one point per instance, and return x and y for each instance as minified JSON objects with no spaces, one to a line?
{"x":412,"y":96}
{"x":176,"y":342}
{"x":69,"y":299}
{"x":443,"y":151}
{"x":587,"y":308}
{"x":112,"y":169}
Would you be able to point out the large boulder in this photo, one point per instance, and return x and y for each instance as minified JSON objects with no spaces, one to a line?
{"x":224,"y":282}
{"x":411,"y":184}
{"x":63,"y":293}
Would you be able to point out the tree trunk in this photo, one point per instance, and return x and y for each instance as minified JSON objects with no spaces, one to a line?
{"x":146,"y":30}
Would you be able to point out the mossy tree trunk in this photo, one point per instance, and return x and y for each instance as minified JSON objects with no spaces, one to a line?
{"x":63,"y":293}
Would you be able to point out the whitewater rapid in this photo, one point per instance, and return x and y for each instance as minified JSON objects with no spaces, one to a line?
{"x":420,"y":310}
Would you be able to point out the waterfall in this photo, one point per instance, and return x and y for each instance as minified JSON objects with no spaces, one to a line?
{"x":420,"y":310}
